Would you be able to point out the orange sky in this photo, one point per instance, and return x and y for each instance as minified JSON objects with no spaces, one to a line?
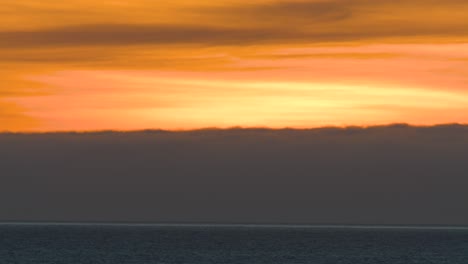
{"x":184,"y":64}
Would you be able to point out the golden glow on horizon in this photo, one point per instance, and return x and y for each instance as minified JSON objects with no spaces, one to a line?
{"x":87,"y":65}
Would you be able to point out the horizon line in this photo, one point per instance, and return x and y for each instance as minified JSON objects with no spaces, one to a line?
{"x":238,"y":225}
{"x":232,"y":128}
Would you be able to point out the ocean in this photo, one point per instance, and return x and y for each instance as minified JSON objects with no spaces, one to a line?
{"x":246,"y":244}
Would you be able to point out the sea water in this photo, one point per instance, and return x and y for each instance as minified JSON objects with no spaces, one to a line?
{"x":204,"y":244}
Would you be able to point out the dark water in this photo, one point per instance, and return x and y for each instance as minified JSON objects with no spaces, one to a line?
{"x":71,"y":244}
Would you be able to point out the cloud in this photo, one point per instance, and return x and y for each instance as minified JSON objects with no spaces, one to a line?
{"x":54,"y":56}
{"x":380,"y":175}
{"x":267,"y":23}
{"x":327,"y":55}
{"x":118,"y":35}
{"x":115,"y":34}
{"x":288,"y":11}
{"x":333,"y":10}
{"x":13,"y":85}
{"x":13,"y":115}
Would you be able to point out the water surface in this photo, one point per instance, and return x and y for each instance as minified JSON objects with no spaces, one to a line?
{"x":204,"y":244}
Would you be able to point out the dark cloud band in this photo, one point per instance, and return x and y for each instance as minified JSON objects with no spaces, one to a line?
{"x":117,"y":35}
{"x":381,"y":175}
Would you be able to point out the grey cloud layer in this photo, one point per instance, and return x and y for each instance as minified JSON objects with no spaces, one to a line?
{"x":117,"y":35}
{"x":316,"y":11}
{"x":380,"y":175}
{"x":279,"y":22}
{"x":121,"y":34}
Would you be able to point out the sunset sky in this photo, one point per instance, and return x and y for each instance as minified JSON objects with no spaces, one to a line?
{"x":187,"y":64}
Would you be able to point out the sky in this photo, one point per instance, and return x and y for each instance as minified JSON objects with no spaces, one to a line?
{"x":184,"y":64}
